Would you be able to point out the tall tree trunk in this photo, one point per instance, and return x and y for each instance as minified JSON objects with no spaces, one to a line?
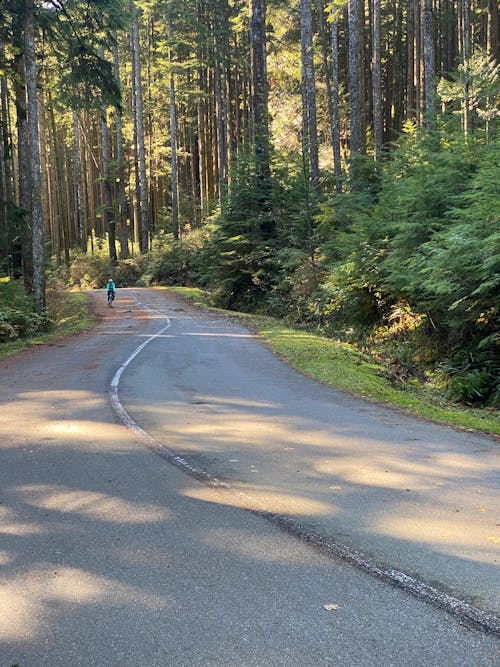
{"x":410,"y":45}
{"x":220,"y":31}
{"x":418,"y":76}
{"x":173,"y":135}
{"x":325,"y":41}
{"x":136,"y":198}
{"x":122,"y":197}
{"x":23,"y":168}
{"x":139,"y":112}
{"x":355,"y":106}
{"x":396,"y":105}
{"x":337,"y":165}
{"x":108,"y":208}
{"x":80,"y":216}
{"x":7,"y":195}
{"x":428,"y":36}
{"x":260,"y":121}
{"x":109,"y":214}
{"x":54,"y":183}
{"x":51,"y":176}
{"x":202,"y":151}
{"x":309,"y":124}
{"x":34,"y":152}
{"x":466,"y":51}
{"x":376,"y":82}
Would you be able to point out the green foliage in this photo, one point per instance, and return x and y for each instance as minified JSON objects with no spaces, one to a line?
{"x":92,"y":270}
{"x":484,"y":94}
{"x":89,"y":81}
{"x":75,"y":32}
{"x":242,"y":254}
{"x":177,"y":262}
{"x":474,"y":385}
{"x":18,"y":317}
{"x":428,"y":242}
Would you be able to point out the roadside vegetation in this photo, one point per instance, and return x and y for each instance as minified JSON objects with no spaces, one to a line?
{"x":22,"y":325}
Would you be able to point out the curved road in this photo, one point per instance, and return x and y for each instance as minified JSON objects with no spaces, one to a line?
{"x":111,"y":556}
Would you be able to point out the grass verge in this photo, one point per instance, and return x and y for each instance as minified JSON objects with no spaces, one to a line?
{"x":343,"y":366}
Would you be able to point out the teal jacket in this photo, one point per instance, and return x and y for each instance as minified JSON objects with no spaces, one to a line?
{"x":110,"y":286}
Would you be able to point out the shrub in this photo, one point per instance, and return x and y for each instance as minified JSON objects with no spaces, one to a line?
{"x":92,"y":270}
{"x":7,"y":331}
{"x":176,"y":262}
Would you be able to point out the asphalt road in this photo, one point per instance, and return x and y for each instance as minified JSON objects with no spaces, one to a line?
{"x":110,"y":555}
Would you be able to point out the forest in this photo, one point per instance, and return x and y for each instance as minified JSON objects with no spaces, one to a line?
{"x":334,"y":164}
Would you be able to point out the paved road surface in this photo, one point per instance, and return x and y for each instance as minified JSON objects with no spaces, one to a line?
{"x":111,"y":556}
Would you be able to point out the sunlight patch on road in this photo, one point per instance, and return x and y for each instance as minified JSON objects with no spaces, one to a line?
{"x":233,"y":402}
{"x":457,"y":534}
{"x":262,"y":499}
{"x":21,"y":529}
{"x":81,"y":430}
{"x":99,"y":506}
{"x":398,"y":473}
{"x":19,"y":614}
{"x":10,"y":525}
{"x":5,"y":558}
{"x":31,"y":602}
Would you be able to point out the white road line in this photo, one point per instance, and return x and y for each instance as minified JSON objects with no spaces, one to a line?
{"x":132,"y":425}
{"x":115,"y":382}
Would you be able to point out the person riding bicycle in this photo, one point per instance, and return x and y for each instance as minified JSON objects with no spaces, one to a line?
{"x":110,"y":287}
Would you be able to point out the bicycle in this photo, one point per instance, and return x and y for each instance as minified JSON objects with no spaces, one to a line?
{"x":111,"y":298}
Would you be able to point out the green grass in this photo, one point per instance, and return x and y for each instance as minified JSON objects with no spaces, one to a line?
{"x":343,"y":366}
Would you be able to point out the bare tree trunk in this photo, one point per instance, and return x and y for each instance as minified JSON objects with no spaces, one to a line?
{"x":122,"y":197}
{"x":220,"y":114}
{"x":108,"y":212}
{"x":34,"y":152}
{"x":7,"y":195}
{"x":139,"y":111}
{"x":47,"y":199}
{"x":23,"y":169}
{"x":53,"y":203}
{"x":355,"y":110}
{"x":136,"y":197}
{"x":337,"y":164}
{"x":202,"y":156}
{"x":430,"y":112}
{"x":466,"y":50}
{"x":219,"y":30}
{"x":54,"y":181}
{"x":376,"y":82}
{"x":173,"y":137}
{"x":310,"y":130}
{"x":410,"y":40}
{"x":109,"y":215}
{"x":260,"y":121}
{"x":82,"y":238}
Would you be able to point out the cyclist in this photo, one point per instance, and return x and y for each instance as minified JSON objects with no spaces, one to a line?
{"x":110,"y":287}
